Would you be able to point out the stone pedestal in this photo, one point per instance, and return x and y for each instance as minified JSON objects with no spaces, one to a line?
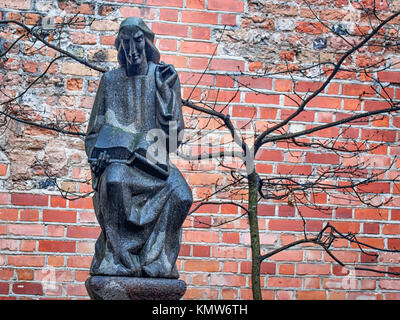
{"x":130,"y":288}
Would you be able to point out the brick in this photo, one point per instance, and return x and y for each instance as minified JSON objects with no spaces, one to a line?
{"x":221,"y":96}
{"x":265,"y":210}
{"x":81,"y":203}
{"x":325,"y":103}
{"x":26,"y":199}
{"x":229,"y":294}
{"x":389,"y":76}
{"x":56,"y":246}
{"x":265,"y":268}
{"x":76,"y":290}
{"x":83,"y":38}
{"x":177,"y":61}
{"x":371,"y":214}
{"x":195,"y":4}
{"x":201,"y":236}
{"x":228,"y":280}
{"x":9,"y":244}
{"x":198,"y":63}
{"x":166,"y":3}
{"x":294,"y":169}
{"x":85,"y":247}
{"x":226,"y":5}
{"x":26,"y":229}
{"x":255,"y":82}
{"x":26,"y":261}
{"x":200,"y":265}
{"x":6,"y":274}
{"x":56,"y":261}
{"x":325,"y":158}
{"x":200,"y":17}
{"x":371,"y":228}
{"x":253,"y":97}
{"x":30,"y":66}
{"x":17,"y":4}
{"x":79,"y":261}
{"x":393,"y":229}
{"x":104,"y":25}
{"x":229,"y":252}
{"x":393,"y":244}
{"x":59,"y":216}
{"x":284,"y":282}
{"x":25,"y":274}
{"x":184,"y":250}
{"x":269,"y":155}
{"x":389,"y":284}
{"x":357,"y":90}
{"x":4,"y":198}
{"x":201,"y":251}
{"x":230,"y":266}
{"x":227,"y":65}
{"x":379,"y":135}
{"x":27,"y":288}
{"x":374,"y":187}
{"x":141,"y":12}
{"x":77,"y":69}
{"x":198,"y":47}
{"x":8,"y":214}
{"x":84,"y":8}
{"x":200,"y":33}
{"x":285,"y":269}
{"x":205,"y":179}
{"x":169,"y":15}
{"x":230,"y":237}
{"x":168,"y":45}
{"x":244,"y":112}
{"x":55,"y":231}
{"x":170,"y":29}
{"x":27,"y":245}
{"x":83,"y":232}
{"x":311,"y":295}
{"x":283,"y":85}
{"x":75,"y":84}
{"x":202,"y":222}
{"x":29,"y":215}
{"x":229,"y":19}
{"x":288,"y":255}
{"x":314,"y":269}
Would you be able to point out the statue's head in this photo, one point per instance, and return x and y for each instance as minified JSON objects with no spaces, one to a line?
{"x":135,"y":43}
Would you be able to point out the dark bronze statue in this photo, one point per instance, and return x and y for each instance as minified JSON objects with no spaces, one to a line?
{"x":141,"y":199}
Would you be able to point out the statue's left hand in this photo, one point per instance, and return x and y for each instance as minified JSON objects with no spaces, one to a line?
{"x":165,"y":83}
{"x":100,"y":164}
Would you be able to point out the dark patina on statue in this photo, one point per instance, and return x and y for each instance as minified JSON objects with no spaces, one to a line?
{"x":141,"y":199}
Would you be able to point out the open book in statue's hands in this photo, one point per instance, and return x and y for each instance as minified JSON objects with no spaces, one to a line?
{"x":115,"y":145}
{"x":118,"y":144}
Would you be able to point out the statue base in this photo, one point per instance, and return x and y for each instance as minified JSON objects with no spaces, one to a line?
{"x":132,"y":288}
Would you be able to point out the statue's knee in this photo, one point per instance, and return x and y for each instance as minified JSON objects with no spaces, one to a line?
{"x":115,"y":174}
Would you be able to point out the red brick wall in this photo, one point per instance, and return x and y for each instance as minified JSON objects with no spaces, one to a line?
{"x":44,"y":236}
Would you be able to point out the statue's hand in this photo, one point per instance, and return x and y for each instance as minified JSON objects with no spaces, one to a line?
{"x":101,"y":163}
{"x":165,"y":79}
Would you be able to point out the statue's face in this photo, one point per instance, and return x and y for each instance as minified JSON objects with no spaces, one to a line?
{"x":133,"y":46}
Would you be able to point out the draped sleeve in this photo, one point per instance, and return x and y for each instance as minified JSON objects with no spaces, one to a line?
{"x":97,"y":117}
{"x":169,"y":113}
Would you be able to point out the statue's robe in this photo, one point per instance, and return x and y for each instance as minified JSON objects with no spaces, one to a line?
{"x":140,"y":213}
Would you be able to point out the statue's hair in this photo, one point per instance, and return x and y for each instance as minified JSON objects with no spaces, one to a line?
{"x":152,"y":53}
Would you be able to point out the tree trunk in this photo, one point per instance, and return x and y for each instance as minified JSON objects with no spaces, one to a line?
{"x":254,"y":236}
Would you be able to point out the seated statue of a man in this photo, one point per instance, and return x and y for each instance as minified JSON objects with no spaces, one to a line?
{"x":140,"y":201}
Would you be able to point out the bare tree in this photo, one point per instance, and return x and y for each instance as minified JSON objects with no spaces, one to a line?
{"x":352,"y":180}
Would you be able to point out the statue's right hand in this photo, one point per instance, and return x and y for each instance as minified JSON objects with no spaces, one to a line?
{"x":101,"y":163}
